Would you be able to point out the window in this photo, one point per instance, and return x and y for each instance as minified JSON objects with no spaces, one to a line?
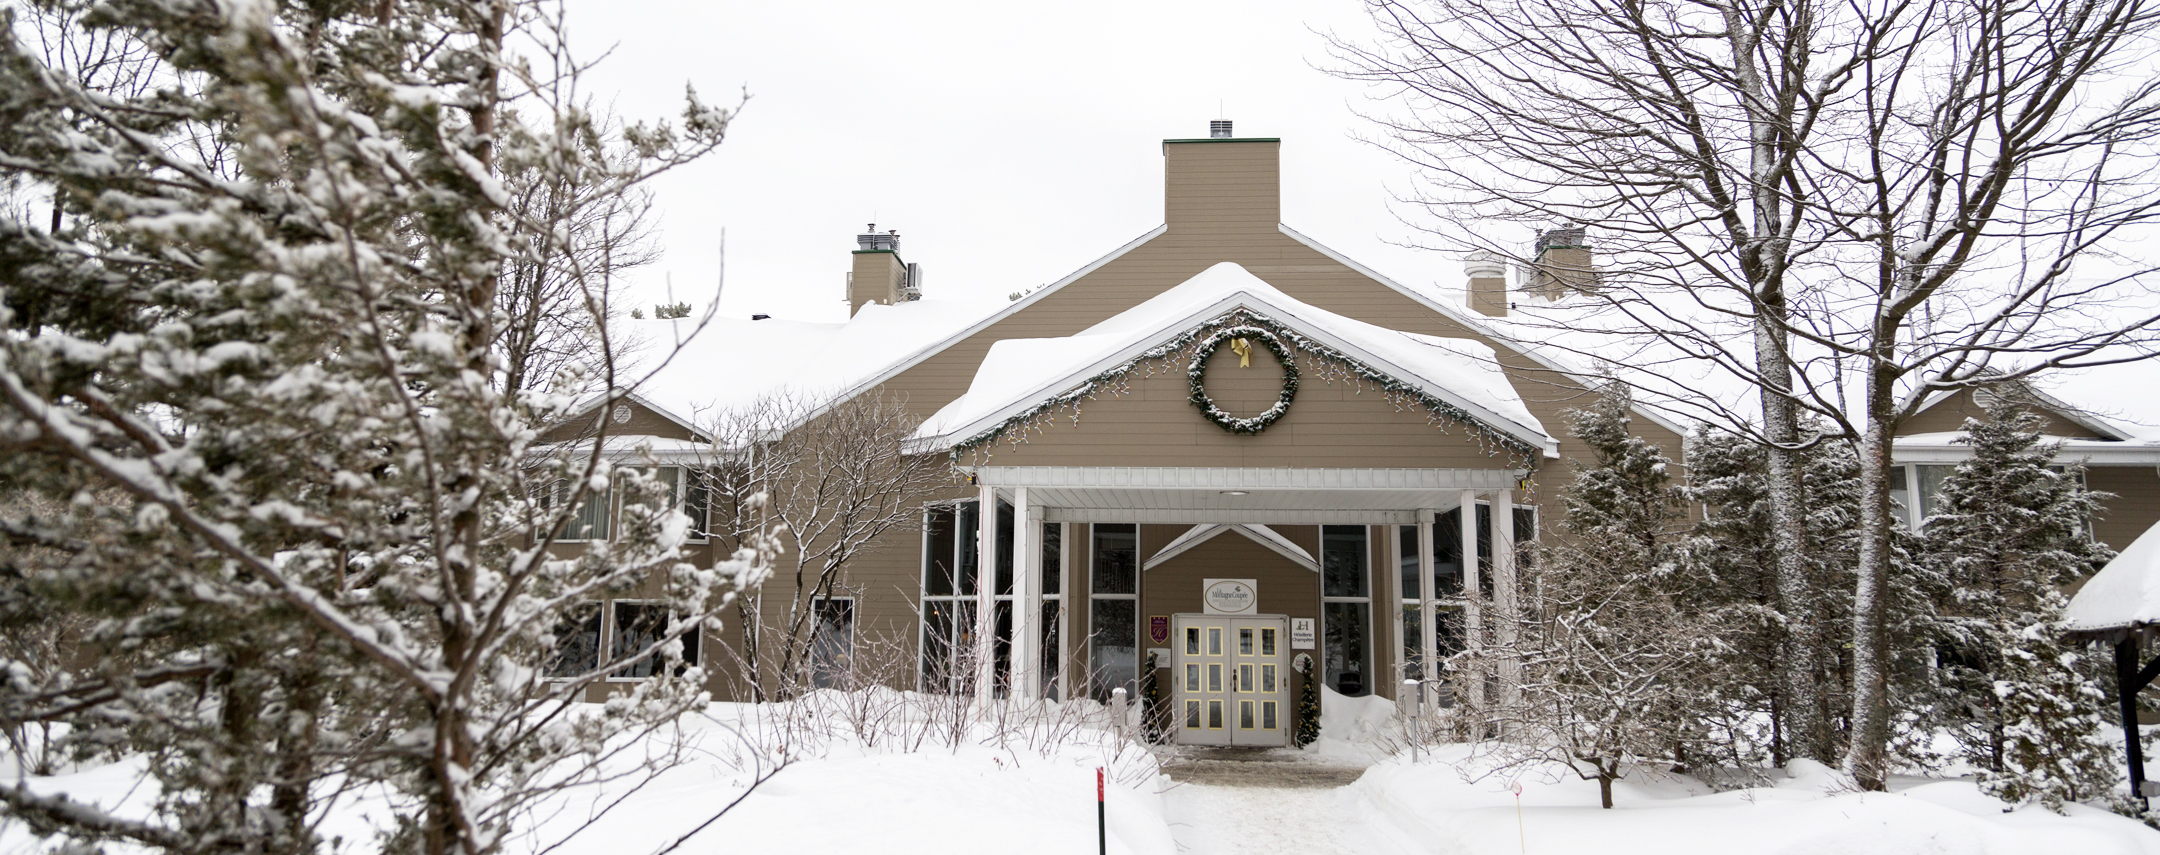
{"x":1113,"y":610}
{"x":1346,"y":608}
{"x":577,"y":643}
{"x":1053,"y":602}
{"x":638,"y":626}
{"x":952,"y":570}
{"x":832,"y":644}
{"x":686,"y":490}
{"x":592,"y":518}
{"x":1448,"y":560}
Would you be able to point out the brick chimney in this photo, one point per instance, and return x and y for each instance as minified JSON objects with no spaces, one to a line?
{"x":1562,"y":264}
{"x":1222,"y":183}
{"x":879,"y":276}
{"x":1487,"y":291}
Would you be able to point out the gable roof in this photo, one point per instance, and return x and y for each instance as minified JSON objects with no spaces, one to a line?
{"x":2054,"y":405}
{"x":1017,"y":375}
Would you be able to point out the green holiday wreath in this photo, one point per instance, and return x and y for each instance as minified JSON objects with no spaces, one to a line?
{"x":1198,"y":369}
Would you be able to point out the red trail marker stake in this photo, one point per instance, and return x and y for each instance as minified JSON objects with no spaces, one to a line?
{"x":1102,"y":837}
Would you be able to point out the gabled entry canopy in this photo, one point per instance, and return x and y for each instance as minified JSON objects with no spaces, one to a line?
{"x":1023,"y":379}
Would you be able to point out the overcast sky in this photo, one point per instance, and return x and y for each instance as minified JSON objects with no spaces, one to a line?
{"x":1009,"y":143}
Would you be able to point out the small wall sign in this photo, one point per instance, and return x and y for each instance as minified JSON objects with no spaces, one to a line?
{"x":1231,"y":596}
{"x":1158,"y":629}
{"x":1301,"y":633}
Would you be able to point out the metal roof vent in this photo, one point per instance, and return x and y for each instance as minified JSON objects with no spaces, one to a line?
{"x":870,"y":239}
{"x":1219,"y":129}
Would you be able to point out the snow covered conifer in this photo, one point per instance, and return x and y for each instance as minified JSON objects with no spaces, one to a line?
{"x":1611,"y":658}
{"x":2007,"y":532}
{"x":256,"y":365}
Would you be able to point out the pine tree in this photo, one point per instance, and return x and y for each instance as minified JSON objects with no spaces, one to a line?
{"x":267,"y":328}
{"x":2006,"y":534}
{"x":1612,"y":657}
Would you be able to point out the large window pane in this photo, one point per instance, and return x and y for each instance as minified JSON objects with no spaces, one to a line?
{"x":832,"y":648}
{"x":1004,"y":548}
{"x":940,"y":620}
{"x":1412,"y":640}
{"x":1052,"y":663}
{"x":1343,"y":560}
{"x":591,"y":520}
{"x":639,"y":626}
{"x":1346,"y":666}
{"x":698,"y":504}
{"x":969,"y":545}
{"x":577,"y":643}
{"x":1113,"y":647}
{"x":1447,"y":557}
{"x":1053,"y":545}
{"x":1931,"y":482}
{"x":1116,"y":559}
{"x":938,"y":552}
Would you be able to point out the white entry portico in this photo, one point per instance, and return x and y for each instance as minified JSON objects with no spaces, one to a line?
{"x":1401,"y":505}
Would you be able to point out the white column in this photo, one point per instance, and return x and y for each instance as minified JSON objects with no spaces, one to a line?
{"x":1428,"y":634}
{"x":985,"y":593}
{"x":1398,"y":666}
{"x":1473,"y":615}
{"x":1507,"y":601}
{"x":1027,"y":600}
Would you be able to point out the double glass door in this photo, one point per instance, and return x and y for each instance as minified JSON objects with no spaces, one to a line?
{"x":1232,"y":676}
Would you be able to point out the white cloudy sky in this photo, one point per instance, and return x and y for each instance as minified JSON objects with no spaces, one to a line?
{"x":1009,"y":143}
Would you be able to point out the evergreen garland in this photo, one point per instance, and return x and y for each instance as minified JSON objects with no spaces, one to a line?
{"x":1308,"y":705}
{"x":1331,"y":363}
{"x":1196,"y":372}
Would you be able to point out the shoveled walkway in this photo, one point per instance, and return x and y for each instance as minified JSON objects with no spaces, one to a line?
{"x":1231,"y":801}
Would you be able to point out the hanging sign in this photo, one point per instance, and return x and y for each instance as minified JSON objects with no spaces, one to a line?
{"x":1158,"y":629}
{"x":1230,"y":596}
{"x":1301,"y":633}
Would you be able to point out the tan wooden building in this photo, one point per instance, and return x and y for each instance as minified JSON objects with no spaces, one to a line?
{"x":1220,"y":448}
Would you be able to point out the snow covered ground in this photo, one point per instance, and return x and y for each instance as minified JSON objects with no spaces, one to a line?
{"x":890,"y":779}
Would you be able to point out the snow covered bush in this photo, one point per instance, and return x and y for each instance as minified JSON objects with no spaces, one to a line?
{"x":1610,"y":651}
{"x":264,"y":318}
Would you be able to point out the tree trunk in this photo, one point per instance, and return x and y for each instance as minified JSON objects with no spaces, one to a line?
{"x":1865,"y":756}
{"x":1604,"y":789}
{"x":1806,"y":734}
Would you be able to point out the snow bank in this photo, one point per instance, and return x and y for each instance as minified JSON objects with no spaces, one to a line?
{"x":1459,"y":802}
{"x":1017,"y":780}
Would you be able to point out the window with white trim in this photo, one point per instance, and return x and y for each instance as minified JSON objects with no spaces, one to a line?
{"x":1113,"y":609}
{"x":832,"y":644}
{"x":634,"y":628}
{"x":951,"y":575}
{"x":1053,"y":604}
{"x":1346,"y":609}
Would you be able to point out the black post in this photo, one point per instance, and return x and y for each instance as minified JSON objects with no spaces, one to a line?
{"x":1102,"y":836}
{"x":2126,"y":684}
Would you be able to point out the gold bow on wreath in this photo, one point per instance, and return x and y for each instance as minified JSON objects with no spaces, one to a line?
{"x":1243,"y":349}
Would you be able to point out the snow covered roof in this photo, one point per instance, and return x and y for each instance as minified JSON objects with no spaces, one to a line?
{"x":1018,"y":373}
{"x":1947,"y":447}
{"x":2123,"y":596}
{"x":733,"y":362}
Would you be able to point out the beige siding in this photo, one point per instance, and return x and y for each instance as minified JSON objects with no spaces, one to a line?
{"x":1222,"y":203}
{"x":2135,"y":506}
{"x":1949,"y":417}
{"x":1329,"y":426}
